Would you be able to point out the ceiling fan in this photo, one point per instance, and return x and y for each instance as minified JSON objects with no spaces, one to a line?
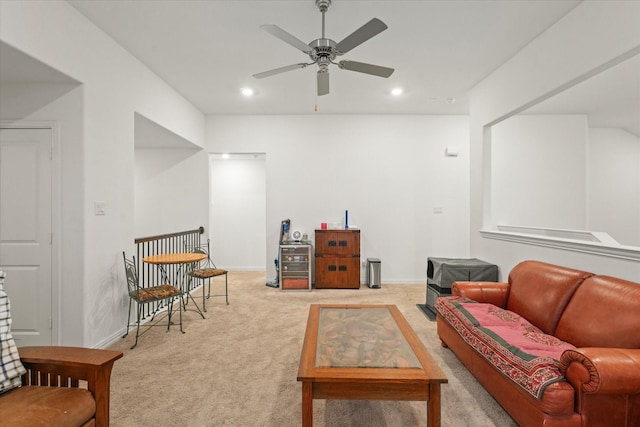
{"x":323,"y":51}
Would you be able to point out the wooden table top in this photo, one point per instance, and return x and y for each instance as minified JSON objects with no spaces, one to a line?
{"x":366,"y":352}
{"x":175,"y":258}
{"x":420,"y":366}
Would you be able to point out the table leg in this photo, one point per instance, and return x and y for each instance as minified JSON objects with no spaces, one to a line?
{"x":183,"y":280}
{"x":433,"y":405}
{"x":307,"y":404}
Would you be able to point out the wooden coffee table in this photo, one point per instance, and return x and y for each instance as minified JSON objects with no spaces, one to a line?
{"x":366,"y":352}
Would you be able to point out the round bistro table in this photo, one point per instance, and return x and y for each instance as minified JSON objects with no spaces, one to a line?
{"x":179,"y":259}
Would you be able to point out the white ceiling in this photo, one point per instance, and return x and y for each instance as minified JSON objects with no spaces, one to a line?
{"x":209,"y":50}
{"x":610,"y":98}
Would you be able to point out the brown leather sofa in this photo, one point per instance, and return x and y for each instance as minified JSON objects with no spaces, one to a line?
{"x":63,"y":386}
{"x":599,"y":315}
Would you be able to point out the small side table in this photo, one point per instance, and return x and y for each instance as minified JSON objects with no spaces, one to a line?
{"x":179,"y":259}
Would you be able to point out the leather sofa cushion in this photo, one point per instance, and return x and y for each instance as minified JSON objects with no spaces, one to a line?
{"x":604,"y":312}
{"x":539,"y":292}
{"x":512,"y":345}
{"x":46,"y":406}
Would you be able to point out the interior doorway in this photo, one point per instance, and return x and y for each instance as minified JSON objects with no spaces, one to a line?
{"x":26,"y":231}
{"x":237,"y":210}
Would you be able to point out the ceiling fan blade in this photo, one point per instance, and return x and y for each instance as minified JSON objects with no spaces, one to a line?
{"x":361,"y":35}
{"x":278,"y":32}
{"x":362,"y":67}
{"x":279,"y":70}
{"x":323,"y":82}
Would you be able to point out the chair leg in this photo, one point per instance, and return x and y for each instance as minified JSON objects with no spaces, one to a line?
{"x":186,"y":287}
{"x":184,"y":304}
{"x":181,"y":318}
{"x":204,"y":304}
{"x":169,"y":313}
{"x":128,"y":320}
{"x":226,"y":289}
{"x":138,"y":325}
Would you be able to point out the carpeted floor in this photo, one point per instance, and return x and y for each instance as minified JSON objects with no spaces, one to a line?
{"x":238,"y":366}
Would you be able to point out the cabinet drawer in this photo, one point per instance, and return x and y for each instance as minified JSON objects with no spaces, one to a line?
{"x":338,"y":242}
{"x":295,"y":267}
{"x":295,"y":250}
{"x":294,"y":258}
{"x":337,"y":272}
{"x":295,"y":283}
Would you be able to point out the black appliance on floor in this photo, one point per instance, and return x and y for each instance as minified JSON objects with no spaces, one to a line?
{"x":442,"y":272}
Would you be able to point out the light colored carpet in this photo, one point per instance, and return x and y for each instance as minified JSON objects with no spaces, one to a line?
{"x":238,"y":366}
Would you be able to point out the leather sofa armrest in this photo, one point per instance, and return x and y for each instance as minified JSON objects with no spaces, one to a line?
{"x":602,"y":370}
{"x":495,"y":293}
{"x":67,"y":366}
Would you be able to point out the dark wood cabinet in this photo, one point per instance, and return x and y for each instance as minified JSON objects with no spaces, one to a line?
{"x":337,"y":259}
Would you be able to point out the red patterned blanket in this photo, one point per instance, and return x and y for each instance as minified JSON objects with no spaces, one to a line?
{"x":517,"y":348}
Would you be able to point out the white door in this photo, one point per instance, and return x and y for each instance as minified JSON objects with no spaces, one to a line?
{"x":26,"y":231}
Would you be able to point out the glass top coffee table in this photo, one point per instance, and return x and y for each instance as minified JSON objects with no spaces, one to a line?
{"x":366,"y":352}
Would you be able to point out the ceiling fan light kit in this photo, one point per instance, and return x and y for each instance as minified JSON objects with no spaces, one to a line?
{"x":323,"y":51}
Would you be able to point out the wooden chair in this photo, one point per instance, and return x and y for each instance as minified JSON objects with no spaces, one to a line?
{"x":62,"y":386}
{"x":206,"y":270}
{"x":142,"y":296}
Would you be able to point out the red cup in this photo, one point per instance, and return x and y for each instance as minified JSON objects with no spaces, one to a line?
{"x":323,"y":225}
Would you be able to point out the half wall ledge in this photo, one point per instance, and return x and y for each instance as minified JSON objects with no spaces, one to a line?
{"x":576,"y":241}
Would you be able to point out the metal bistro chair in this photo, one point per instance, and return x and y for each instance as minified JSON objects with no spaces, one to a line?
{"x":148,"y":295}
{"x":206,"y":270}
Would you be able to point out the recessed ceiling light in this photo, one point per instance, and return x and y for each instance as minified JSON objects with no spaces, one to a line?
{"x":225,"y":156}
{"x":247,"y":91}
{"x":396,"y":91}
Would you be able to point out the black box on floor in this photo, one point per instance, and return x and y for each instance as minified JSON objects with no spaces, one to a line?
{"x":445,"y":271}
{"x":442,"y":272}
{"x":434,"y":291}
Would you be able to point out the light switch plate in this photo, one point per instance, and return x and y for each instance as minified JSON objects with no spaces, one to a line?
{"x":99,"y":208}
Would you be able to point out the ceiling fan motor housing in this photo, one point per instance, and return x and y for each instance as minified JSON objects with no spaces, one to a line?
{"x":323,"y":5}
{"x":323,"y":48}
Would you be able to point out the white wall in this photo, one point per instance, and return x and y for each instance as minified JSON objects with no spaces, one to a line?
{"x":538,"y":163}
{"x":164,"y":202}
{"x":614,"y":184}
{"x":238,"y":210}
{"x":590,"y":35}
{"x":115,"y":87}
{"x":389,"y":172}
{"x":65,"y":109}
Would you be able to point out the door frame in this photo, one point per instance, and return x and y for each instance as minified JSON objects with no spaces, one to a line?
{"x":56,"y":220}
